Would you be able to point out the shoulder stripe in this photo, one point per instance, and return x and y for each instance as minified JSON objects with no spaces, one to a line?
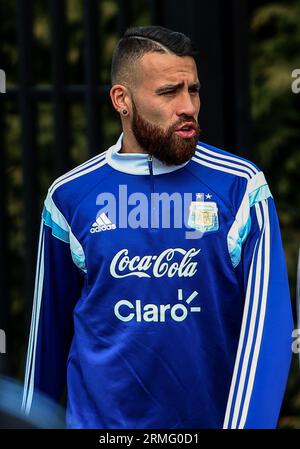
{"x":225,"y":163}
{"x":56,"y":229}
{"x":77,"y":174}
{"x":221,"y":168}
{"x":61,"y":229}
{"x":78,"y":169}
{"x":239,"y":231}
{"x":257,"y":191}
{"x":235,"y":159}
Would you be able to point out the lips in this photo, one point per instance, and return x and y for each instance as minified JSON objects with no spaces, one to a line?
{"x":187,"y":130}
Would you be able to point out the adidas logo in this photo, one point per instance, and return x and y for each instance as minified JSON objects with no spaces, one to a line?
{"x":102,"y":223}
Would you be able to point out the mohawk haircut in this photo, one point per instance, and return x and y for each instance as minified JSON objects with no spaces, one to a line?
{"x":137,"y":41}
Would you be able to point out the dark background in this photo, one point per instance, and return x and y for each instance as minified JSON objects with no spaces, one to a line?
{"x":56,"y":113}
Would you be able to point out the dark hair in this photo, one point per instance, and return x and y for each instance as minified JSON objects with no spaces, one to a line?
{"x":147,"y":39}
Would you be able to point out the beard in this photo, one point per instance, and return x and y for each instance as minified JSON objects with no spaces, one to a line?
{"x":165,"y":145}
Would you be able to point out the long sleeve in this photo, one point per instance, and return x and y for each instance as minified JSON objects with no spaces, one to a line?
{"x":57,"y":288}
{"x":264,"y":350}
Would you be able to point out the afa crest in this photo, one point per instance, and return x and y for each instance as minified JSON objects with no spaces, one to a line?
{"x":203,"y":216}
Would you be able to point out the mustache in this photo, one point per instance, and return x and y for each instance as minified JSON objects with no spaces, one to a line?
{"x":183,"y":120}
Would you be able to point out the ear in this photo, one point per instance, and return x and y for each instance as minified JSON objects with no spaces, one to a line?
{"x":120,"y":97}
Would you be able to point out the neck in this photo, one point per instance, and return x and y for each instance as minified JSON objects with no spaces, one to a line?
{"x":130,"y":144}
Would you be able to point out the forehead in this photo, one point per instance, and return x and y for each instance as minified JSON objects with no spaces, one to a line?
{"x":160,"y":68}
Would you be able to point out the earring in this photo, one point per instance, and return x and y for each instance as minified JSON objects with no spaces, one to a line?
{"x":124,"y":112}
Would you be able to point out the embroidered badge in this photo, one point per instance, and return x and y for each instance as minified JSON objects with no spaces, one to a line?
{"x":203,"y":215}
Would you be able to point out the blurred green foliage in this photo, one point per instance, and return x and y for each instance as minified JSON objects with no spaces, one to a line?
{"x":274,"y":54}
{"x":45,"y":140}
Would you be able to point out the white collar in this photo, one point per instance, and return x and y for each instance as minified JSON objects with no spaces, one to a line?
{"x":136,"y":163}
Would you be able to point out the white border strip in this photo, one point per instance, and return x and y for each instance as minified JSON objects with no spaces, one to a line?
{"x":232,"y":158}
{"x":77,"y":170}
{"x":31,"y":335}
{"x":226,"y":163}
{"x":218,"y":167}
{"x":261,"y":317}
{"x":28,"y":392}
{"x":251,"y":332}
{"x":243,"y":331}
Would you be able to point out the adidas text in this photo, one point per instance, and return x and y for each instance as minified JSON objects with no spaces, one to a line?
{"x":101,"y":228}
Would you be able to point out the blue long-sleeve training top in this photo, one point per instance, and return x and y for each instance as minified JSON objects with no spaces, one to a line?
{"x":161,"y":295}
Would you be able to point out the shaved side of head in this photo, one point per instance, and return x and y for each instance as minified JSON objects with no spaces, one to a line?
{"x":138,"y":41}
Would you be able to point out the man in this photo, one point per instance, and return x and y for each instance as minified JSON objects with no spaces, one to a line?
{"x":168,"y":306}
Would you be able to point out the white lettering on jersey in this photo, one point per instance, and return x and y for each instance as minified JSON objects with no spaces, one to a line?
{"x":122,"y":265}
{"x":128,"y":310}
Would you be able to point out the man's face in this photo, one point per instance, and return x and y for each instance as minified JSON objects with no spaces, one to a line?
{"x":165,"y":107}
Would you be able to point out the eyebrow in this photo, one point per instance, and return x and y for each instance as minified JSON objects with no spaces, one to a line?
{"x":167,"y":87}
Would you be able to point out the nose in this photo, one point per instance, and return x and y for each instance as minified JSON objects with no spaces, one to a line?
{"x":188,"y":104}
